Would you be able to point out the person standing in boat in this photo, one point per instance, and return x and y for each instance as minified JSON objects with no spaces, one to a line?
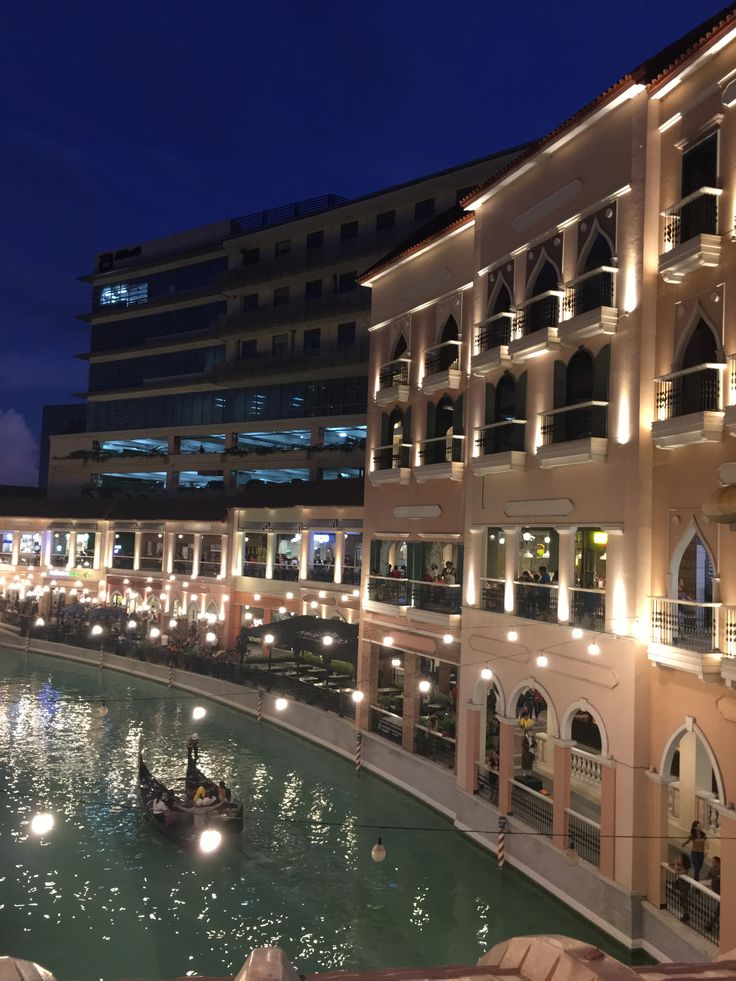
{"x":193,"y":748}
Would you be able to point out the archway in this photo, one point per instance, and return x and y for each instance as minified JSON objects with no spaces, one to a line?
{"x":583,"y":725}
{"x":597,"y":251}
{"x":692,"y":567}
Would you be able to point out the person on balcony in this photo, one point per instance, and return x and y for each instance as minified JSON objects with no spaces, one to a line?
{"x":698,"y":841}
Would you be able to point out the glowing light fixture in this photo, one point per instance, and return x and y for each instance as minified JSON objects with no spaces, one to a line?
{"x":154,"y":633}
{"x":280,"y":704}
{"x":542,"y":661}
{"x":388,"y":641}
{"x":269,"y":639}
{"x":425,"y":686}
{"x":486,"y":674}
{"x":210,"y":840}
{"x":577,"y":633}
{"x":594,"y":650}
{"x":210,"y":637}
{"x":96,"y":630}
{"x":395,"y":662}
{"x":378,"y":852}
{"x":198,"y":712}
{"x":512,"y":636}
{"x":447,"y":638}
{"x":357,"y":696}
{"x":41,"y":824}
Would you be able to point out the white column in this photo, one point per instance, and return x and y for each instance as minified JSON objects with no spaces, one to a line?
{"x":16,"y":548}
{"x":304,"y":555}
{"x":72,"y":547}
{"x":565,"y":572}
{"x":512,"y":555}
{"x":236,"y":566}
{"x":224,"y":539}
{"x":270,"y":550}
{"x":97,"y":554}
{"x":109,"y":547}
{"x":168,"y":564}
{"x":339,"y":554}
{"x":136,"y":550}
{"x":196,"y":552}
{"x":617,"y":617}
{"x":46,"y":540}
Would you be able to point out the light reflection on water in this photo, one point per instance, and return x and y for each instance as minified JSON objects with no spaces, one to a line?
{"x":103,"y":897}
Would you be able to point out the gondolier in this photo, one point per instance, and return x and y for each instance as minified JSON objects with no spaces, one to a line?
{"x":193,"y":748}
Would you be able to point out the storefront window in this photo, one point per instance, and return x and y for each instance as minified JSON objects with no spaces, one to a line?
{"x":60,"y":548}
{"x":30,"y":549}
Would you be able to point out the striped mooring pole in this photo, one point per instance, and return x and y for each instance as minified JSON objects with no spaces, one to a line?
{"x":358,"y":751}
{"x":501,"y":854}
{"x":27,"y":644}
{"x":99,"y":657}
{"x":259,"y":710}
{"x":171,"y":675}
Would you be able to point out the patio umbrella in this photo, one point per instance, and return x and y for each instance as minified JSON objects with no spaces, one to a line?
{"x":307,"y":633}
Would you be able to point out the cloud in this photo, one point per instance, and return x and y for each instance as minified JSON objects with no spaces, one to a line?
{"x":19,"y":457}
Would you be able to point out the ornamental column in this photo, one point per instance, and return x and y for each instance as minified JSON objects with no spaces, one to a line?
{"x":339,"y":555}
{"x":97,"y":554}
{"x":367,"y":682}
{"x":565,"y":574}
{"x":136,"y":550}
{"x":196,"y":553}
{"x":168,"y":563}
{"x":47,"y":538}
{"x":304,"y":555}
{"x":224,"y":540}
{"x":71,"y":557}
{"x":658,"y":833}
{"x":16,"y":548}
{"x":561,"y":790}
{"x":236,"y":563}
{"x":506,"y":739}
{"x":411,"y":701}
{"x":270,"y":553}
{"x":512,"y":554}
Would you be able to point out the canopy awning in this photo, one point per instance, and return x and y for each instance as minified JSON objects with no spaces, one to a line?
{"x":308,"y":633}
{"x":721,"y":506}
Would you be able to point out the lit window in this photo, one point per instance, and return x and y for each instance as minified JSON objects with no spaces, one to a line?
{"x":123,"y":293}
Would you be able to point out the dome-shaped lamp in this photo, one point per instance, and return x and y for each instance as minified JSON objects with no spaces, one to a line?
{"x":378,"y":852}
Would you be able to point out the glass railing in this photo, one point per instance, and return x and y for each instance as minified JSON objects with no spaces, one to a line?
{"x":588,"y":608}
{"x":122,"y":561}
{"x":151,"y":563}
{"x":492,"y":595}
{"x":437,"y":597}
{"x":209,"y":569}
{"x":536,"y":601}
{"x":255,"y":569}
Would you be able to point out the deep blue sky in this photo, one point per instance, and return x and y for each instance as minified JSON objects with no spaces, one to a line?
{"x":123,"y":122}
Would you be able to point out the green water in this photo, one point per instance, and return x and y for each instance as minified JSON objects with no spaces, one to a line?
{"x":104,"y":897}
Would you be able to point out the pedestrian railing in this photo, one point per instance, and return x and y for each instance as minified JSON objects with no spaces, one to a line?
{"x":531,"y":807}
{"x":486,"y":782}
{"x":440,"y":749}
{"x":437,"y":597}
{"x":707,"y":813}
{"x":584,"y":836}
{"x":586,"y":767}
{"x":386,"y":724}
{"x":492,"y":595}
{"x":536,"y":601}
{"x":697,"y":906}
{"x":255,"y":569}
{"x":289,"y":573}
{"x":682,"y":623}
{"x":588,"y":608}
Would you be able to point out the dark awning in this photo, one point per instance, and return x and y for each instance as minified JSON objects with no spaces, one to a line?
{"x":308,"y":633}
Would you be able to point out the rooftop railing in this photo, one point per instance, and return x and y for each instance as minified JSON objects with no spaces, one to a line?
{"x":696,"y":389}
{"x":695,"y":214}
{"x":590,"y":290}
{"x":285,"y":212}
{"x":538,"y":313}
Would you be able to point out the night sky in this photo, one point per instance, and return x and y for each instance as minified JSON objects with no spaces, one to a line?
{"x":124,"y":122}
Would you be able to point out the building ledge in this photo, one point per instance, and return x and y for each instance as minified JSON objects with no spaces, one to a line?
{"x":393,"y":394}
{"x":728,"y":671}
{"x":482,"y":466}
{"x":438,"y":381}
{"x":533,"y":345}
{"x":730,"y":419}
{"x":701,"y":250}
{"x":600,"y":320}
{"x":431,"y":616}
{"x":438,"y":471}
{"x":590,"y":450}
{"x":487,"y":361}
{"x":396,"y":475}
{"x":695,"y":427}
{"x":705,"y":666}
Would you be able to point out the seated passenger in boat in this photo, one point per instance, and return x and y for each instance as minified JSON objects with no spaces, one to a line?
{"x":223,"y":792}
{"x":160,"y":809}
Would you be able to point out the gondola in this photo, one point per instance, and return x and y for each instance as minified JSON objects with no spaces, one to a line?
{"x":186,"y":822}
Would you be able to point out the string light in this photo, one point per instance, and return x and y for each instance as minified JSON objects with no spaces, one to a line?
{"x":486,"y":673}
{"x":388,"y":641}
{"x":210,"y":840}
{"x":594,"y":649}
{"x":577,"y":633}
{"x":395,"y":662}
{"x":154,"y":633}
{"x":210,"y":637}
{"x":425,"y":686}
{"x":280,"y":704}
{"x":512,"y":636}
{"x":378,"y":852}
{"x":41,"y":824}
{"x":447,"y":638}
{"x":198,"y":712}
{"x":357,"y":696}
{"x":542,"y":661}
{"x":269,"y":639}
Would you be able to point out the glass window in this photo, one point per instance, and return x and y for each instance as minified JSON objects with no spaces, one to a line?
{"x":249,"y":348}
{"x":424,"y":210}
{"x":250,"y":301}
{"x":346,"y":334}
{"x":313,"y":289}
{"x":286,"y":552}
{"x":280,"y":296}
{"x":384,"y":220}
{"x":347,"y":282}
{"x":495,"y":554}
{"x":539,"y":554}
{"x":322,"y":549}
{"x":123,"y":294}
{"x":85,"y":549}
{"x":139,"y":330}
{"x":251,"y":256}
{"x":348,"y":230}
{"x":280,"y":344}
{"x":282,"y":248}
{"x":170,"y":281}
{"x":312,"y":339}
{"x":315,"y":240}
{"x":254,"y":547}
{"x":591,"y":545}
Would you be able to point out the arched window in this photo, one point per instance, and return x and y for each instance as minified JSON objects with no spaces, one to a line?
{"x":546,"y":311}
{"x":596,"y":290}
{"x":400,"y":347}
{"x":699,"y":391}
{"x":579,"y":381}
{"x":444,"y":421}
{"x":500,"y":302}
{"x":448,"y":355}
{"x":599,"y":254}
{"x":547,"y":278}
{"x":449,"y":331}
{"x":505,"y":402}
{"x":695,"y":573}
{"x":701,"y":348}
{"x":583,"y":380}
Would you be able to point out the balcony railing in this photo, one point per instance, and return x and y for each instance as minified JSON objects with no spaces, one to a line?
{"x":6,"y":558}
{"x":435,"y":747}
{"x":538,"y":313}
{"x":494,"y":332}
{"x":585,"y":837}
{"x":697,"y":906}
{"x":209,"y":569}
{"x":394,"y":457}
{"x":183,"y":567}
{"x":151,"y":563}
{"x":350,"y":575}
{"x":571,"y":422}
{"x":682,"y":623}
{"x":697,"y":389}
{"x":29,"y":558}
{"x":441,"y":449}
{"x":288,"y":573}
{"x":707,"y":813}
{"x":588,"y":608}
{"x":122,"y":561}
{"x":534,"y":809}
{"x":394,"y":373}
{"x":436,"y":597}
{"x":501,"y":437}
{"x":321,"y":572}
{"x":441,"y":357}
{"x":536,"y":601}
{"x":255,"y":569}
{"x":586,"y":767}
{"x":696,"y":214}
{"x":673,"y":799}
{"x":59,"y":561}
{"x":486,"y":781}
{"x":492,"y":596}
{"x":591,"y":290}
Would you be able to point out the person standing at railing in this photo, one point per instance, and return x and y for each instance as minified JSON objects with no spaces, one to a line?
{"x":679,"y":888}
{"x":698,"y":841}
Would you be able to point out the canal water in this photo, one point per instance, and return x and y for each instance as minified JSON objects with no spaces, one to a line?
{"x":104,"y":897}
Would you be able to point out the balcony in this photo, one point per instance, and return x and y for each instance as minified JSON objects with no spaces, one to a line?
{"x":391,"y":465}
{"x":684,"y":635}
{"x":393,"y":382}
{"x":321,"y":572}
{"x":588,"y":309}
{"x":728,"y":663}
{"x":208,"y":569}
{"x":730,"y":410}
{"x":151,"y":563}
{"x":440,"y":458}
{"x":442,"y":367}
{"x":255,"y":569}
{"x":535,"y":327}
{"x":588,"y":608}
{"x":691,"y":237}
{"x":536,"y":601}
{"x":493,"y":592}
{"x":430,"y":597}
{"x":499,"y":447}
{"x":574,"y":434}
{"x":492,"y":340}
{"x":284,"y":573}
{"x":689,"y":406}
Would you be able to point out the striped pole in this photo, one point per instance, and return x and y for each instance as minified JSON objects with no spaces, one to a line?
{"x":358,"y":751}
{"x":259,"y":710}
{"x":27,"y":644}
{"x":171,"y":675}
{"x":99,"y":657}
{"x":501,"y":854}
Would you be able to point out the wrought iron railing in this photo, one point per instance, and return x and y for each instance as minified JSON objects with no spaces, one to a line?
{"x":588,"y":608}
{"x":441,"y":449}
{"x":585,"y":837}
{"x":122,"y":562}
{"x":151,"y":563}
{"x":536,"y":601}
{"x":255,"y":569}
{"x":183,"y":567}
{"x":209,"y":569}
{"x":695,"y":214}
{"x":591,"y":290}
{"x":534,"y":809}
{"x":696,"y":389}
{"x":394,"y":373}
{"x":492,"y":595}
{"x":287,"y":573}
{"x":586,"y":767}
{"x":729,"y":631}
{"x":684,"y":624}
{"x":435,"y":597}
{"x":386,"y":724}
{"x":694,"y":904}
{"x":501,"y":437}
{"x":441,"y":357}
{"x":494,"y":332}
{"x":392,"y":457}
{"x":486,"y":782}
{"x":440,"y":749}
{"x":572,"y":422}
{"x":538,"y":313}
